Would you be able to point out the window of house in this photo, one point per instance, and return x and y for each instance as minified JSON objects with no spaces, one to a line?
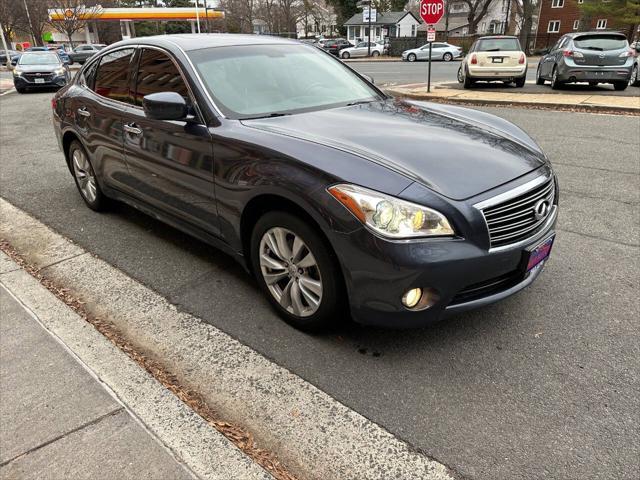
{"x":554,"y":26}
{"x":112,"y":77}
{"x":413,"y":30}
{"x":557,"y":3}
{"x":576,"y":24}
{"x":157,"y":73}
{"x":602,"y":24}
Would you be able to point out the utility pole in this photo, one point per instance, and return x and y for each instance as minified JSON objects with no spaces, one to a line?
{"x":4,"y":45}
{"x":26,"y":9}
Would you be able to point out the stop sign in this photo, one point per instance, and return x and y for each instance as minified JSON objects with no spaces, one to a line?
{"x":431,"y":11}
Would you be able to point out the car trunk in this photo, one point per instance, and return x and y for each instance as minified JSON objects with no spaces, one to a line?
{"x":500,"y":58}
{"x":601,"y":50}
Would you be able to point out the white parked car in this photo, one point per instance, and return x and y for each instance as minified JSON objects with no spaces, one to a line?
{"x":494,"y":59}
{"x":362,"y":50}
{"x":439,"y":51}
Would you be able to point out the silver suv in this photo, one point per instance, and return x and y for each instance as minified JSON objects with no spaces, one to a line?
{"x":593,"y":57}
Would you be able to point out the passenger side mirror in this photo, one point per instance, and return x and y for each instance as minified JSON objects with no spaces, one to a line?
{"x":164,"y":106}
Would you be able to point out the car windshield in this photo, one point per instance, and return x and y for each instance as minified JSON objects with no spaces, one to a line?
{"x":498,"y":45}
{"x":601,"y":42}
{"x":39,"y":59}
{"x":253,"y":81}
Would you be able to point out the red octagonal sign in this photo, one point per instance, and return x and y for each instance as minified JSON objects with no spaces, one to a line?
{"x":431,"y":11}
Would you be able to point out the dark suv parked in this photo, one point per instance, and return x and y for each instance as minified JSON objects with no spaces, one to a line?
{"x":334,"y":46}
{"x":593,"y":57}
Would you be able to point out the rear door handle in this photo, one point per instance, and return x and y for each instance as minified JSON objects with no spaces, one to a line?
{"x":83,"y":112}
{"x":132,"y":129}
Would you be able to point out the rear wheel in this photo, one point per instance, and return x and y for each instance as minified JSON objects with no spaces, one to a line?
{"x":297,"y":270}
{"x":521,"y":81}
{"x":447,"y":57}
{"x":85,"y":177}
{"x":634,"y":81}
{"x":412,"y":57}
{"x":539,"y":79}
{"x":593,"y":84}
{"x":460,"y":76}
{"x":619,"y":86}
{"x":375,"y":53}
{"x":555,"y":82}
{"x":345,"y":55}
{"x":468,"y":82}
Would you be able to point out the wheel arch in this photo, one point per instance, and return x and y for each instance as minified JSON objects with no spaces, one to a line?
{"x":67,"y":139}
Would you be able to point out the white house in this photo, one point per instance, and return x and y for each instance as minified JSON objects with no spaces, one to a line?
{"x":387,"y":24}
{"x":493,"y":22}
{"x":318,"y":22}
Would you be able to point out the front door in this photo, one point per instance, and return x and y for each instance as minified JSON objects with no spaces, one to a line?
{"x":171,"y":161}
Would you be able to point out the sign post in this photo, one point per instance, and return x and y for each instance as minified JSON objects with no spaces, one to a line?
{"x":431,"y":12}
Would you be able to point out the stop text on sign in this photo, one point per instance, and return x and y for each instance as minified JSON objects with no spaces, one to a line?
{"x":431,"y":11}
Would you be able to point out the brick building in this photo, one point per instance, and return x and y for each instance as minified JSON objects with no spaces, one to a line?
{"x":558,"y":17}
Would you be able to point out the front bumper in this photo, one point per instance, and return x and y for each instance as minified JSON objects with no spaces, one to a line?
{"x":464,"y":275}
{"x":47,"y":82}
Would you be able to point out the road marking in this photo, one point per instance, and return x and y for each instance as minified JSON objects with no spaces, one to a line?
{"x":313,"y":434}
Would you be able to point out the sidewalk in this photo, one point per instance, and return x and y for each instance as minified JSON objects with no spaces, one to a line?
{"x":57,"y":421}
{"x":609,"y":103}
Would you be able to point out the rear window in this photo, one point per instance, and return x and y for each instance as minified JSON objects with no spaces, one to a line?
{"x":601,"y":42}
{"x":498,"y":45}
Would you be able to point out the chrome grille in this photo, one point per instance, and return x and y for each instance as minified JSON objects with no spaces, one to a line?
{"x":516,"y":219}
{"x":31,"y":77}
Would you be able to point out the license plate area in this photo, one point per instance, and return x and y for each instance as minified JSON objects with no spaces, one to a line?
{"x":39,"y":80}
{"x":497,"y":59}
{"x":539,"y":253}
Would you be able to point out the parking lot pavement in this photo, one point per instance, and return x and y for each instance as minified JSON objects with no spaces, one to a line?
{"x":57,"y":421}
{"x":543,"y":384}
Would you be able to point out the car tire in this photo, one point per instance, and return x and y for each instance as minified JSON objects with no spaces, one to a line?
{"x":468,"y":82}
{"x":412,"y":57}
{"x":459,"y":75}
{"x":634,"y":81}
{"x":21,"y":90}
{"x":593,"y":84}
{"x":375,"y":53}
{"x":619,"y":86}
{"x":539,"y":79}
{"x":85,"y":177}
{"x":272,"y":241}
{"x":555,"y":83}
{"x":345,"y":55}
{"x":521,"y":81}
{"x":447,"y":57}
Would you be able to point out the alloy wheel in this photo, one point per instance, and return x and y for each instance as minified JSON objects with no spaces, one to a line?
{"x":447,"y":57}
{"x":84,"y":175}
{"x":411,"y":57}
{"x":634,"y":76}
{"x":290,"y":272}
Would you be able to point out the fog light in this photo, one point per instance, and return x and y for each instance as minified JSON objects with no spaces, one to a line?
{"x":412,"y":297}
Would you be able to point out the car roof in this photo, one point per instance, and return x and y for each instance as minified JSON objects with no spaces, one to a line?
{"x":595,"y":32}
{"x":494,"y":37}
{"x":197,"y":41}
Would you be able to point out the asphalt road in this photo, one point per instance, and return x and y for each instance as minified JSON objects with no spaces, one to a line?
{"x":543,"y":385}
{"x":397,"y":73}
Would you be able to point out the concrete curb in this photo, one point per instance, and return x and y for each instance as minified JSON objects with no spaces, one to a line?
{"x":312,"y":433}
{"x":202,"y":449}
{"x":434,"y":97}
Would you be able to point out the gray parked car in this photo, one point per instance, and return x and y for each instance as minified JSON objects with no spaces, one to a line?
{"x":81,"y":53}
{"x":634,"y":81}
{"x":593,"y":57}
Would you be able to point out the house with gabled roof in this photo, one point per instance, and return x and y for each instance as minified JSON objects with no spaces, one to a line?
{"x":387,"y":24}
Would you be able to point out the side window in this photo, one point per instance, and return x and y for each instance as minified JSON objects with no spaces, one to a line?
{"x":111,"y":80}
{"x":157,"y":73}
{"x":89,"y":75}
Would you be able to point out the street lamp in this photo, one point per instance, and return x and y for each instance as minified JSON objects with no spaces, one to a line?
{"x":368,"y":4}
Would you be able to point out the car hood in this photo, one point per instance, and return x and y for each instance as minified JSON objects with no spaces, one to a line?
{"x":40,"y":68}
{"x":454,"y":151}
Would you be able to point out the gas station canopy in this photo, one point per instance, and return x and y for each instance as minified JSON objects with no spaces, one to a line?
{"x":139,"y":14}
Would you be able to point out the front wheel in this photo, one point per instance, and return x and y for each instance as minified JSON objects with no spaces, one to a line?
{"x":21,"y":90}
{"x":447,"y":57}
{"x":412,"y":57}
{"x":345,"y":55}
{"x":297,"y":270}
{"x":619,"y":86}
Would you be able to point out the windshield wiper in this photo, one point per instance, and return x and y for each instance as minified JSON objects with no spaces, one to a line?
{"x":359,"y":102}
{"x":268,"y":115}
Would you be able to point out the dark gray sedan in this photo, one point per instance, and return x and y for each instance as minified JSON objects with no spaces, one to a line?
{"x":81,"y":53}
{"x":592,"y":57}
{"x":333,"y":195}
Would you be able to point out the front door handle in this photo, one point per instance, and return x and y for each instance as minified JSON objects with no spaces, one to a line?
{"x":83,"y":112}
{"x":132,"y":129}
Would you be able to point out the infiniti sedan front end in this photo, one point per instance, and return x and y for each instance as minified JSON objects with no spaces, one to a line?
{"x":333,"y":195}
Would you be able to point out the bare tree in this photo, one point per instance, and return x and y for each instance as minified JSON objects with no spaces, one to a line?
{"x":477,"y":11}
{"x":528,"y":9}
{"x":75,"y":16}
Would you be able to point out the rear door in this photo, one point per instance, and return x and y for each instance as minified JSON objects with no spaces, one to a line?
{"x":603,"y":50}
{"x":171,"y":161}
{"x":97,"y":113}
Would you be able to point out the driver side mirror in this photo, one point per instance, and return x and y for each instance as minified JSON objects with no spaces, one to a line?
{"x":165,"y":106}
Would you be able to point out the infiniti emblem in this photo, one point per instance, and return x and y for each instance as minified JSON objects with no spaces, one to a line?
{"x":541,"y":209}
{"x":602,"y":55}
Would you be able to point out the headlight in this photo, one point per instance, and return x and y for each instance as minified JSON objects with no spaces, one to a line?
{"x":17,"y":72}
{"x":390,"y":216}
{"x":59,"y":71}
